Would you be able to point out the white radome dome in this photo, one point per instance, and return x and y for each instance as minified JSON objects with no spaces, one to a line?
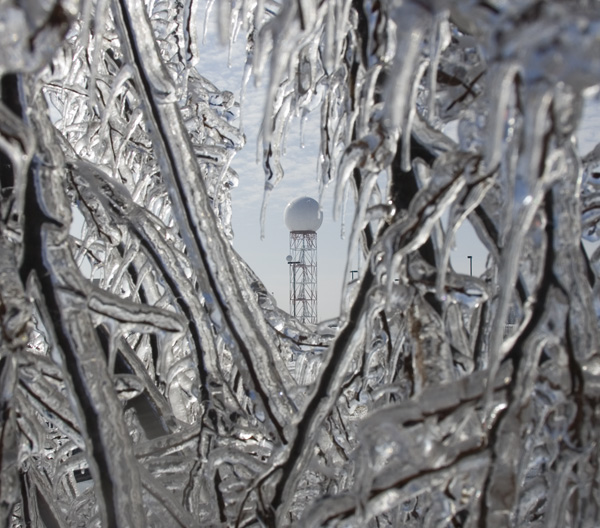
{"x":303,"y":214}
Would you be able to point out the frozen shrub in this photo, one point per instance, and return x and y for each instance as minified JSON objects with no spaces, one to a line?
{"x":147,"y":378}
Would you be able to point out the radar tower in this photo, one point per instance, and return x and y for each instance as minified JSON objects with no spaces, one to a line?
{"x":303,"y":217}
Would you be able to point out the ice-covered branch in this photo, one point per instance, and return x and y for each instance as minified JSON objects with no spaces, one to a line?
{"x":147,"y":376}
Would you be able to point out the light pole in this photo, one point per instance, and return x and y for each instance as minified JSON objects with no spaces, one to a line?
{"x":293,"y":264}
{"x":470,"y":264}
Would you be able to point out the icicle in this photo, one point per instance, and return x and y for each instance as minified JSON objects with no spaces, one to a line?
{"x":413,"y":23}
{"x":459,"y":212}
{"x":342,"y":14}
{"x":528,"y":197}
{"x":245,"y":80}
{"x":439,"y":43}
{"x":366,"y":111}
{"x":502,"y":80}
{"x":331,"y":28}
{"x":410,"y":115}
{"x":354,"y":156}
{"x":209,"y":5}
{"x":360,"y":219}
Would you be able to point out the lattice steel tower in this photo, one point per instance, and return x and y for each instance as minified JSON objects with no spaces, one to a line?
{"x":303,"y":218}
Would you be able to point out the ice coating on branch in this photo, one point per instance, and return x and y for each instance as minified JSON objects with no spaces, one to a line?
{"x":147,"y":376}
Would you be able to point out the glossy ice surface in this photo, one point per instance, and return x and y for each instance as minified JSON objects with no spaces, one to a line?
{"x":146,"y":376}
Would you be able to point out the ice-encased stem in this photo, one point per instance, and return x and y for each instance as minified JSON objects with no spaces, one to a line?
{"x":14,"y":317}
{"x":196,"y":218}
{"x":320,"y":403}
{"x":67,"y":315}
{"x":203,"y":358}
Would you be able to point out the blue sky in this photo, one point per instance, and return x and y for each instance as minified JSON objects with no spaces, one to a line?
{"x":267,"y":255}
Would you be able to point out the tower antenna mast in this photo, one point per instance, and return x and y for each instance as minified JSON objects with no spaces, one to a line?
{"x":303,"y":218}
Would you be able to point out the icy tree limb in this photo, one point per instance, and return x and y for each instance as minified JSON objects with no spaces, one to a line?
{"x":196,"y":219}
{"x":320,"y":403}
{"x":99,"y":411}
